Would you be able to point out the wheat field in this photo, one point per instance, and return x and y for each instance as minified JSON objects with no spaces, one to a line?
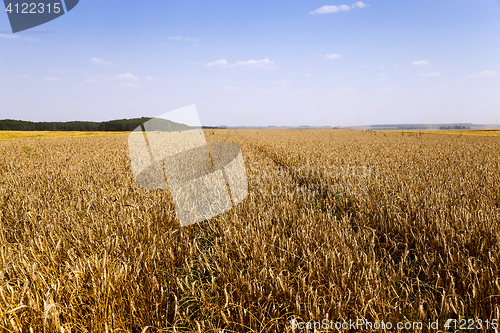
{"x":458,"y":132}
{"x":338,"y":225}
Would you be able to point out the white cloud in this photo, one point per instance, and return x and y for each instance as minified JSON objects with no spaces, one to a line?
{"x":126,"y":77}
{"x":382,"y":77}
{"x":264,"y":63}
{"x":420,"y":63}
{"x":10,"y":36}
{"x":336,"y":9}
{"x":223,"y":63}
{"x":484,"y":73}
{"x":94,"y":79}
{"x":333,"y":56}
{"x":308,"y":74}
{"x":31,"y":39}
{"x":227,"y":88}
{"x":27,"y":39}
{"x":188,"y":39}
{"x":22,"y":76}
{"x":52,"y":79}
{"x":330,"y":9}
{"x":97,"y":61}
{"x":359,"y":4}
{"x":217,"y":64}
{"x":149,"y":78}
{"x":430,"y":74}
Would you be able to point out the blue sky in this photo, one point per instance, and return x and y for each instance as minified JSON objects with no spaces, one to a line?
{"x":315,"y":62}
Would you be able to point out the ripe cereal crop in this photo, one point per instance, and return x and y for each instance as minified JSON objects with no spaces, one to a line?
{"x":337,"y":225}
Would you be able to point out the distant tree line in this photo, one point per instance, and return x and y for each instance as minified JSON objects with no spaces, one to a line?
{"x":121,"y":125}
{"x":454,"y":127}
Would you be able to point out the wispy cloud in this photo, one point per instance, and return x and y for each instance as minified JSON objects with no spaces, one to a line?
{"x":420,"y":63}
{"x":22,"y":76}
{"x":333,"y":56}
{"x":256,"y":64}
{"x":217,"y":64}
{"x":430,"y":74}
{"x":264,"y":63}
{"x":97,"y":61}
{"x":331,"y":9}
{"x":383,"y":90}
{"x":187,"y":39}
{"x":27,"y":39}
{"x":359,"y":4}
{"x":126,"y":77}
{"x":340,"y":8}
{"x":227,"y":89}
{"x":93,"y":79}
{"x":483,"y":74}
{"x":10,"y":36}
{"x":52,"y":79}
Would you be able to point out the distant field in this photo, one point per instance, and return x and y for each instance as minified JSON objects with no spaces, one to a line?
{"x":462,"y":132}
{"x":7,"y":135}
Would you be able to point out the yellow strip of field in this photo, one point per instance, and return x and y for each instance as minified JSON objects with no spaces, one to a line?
{"x":463,"y":132}
{"x":8,"y":135}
